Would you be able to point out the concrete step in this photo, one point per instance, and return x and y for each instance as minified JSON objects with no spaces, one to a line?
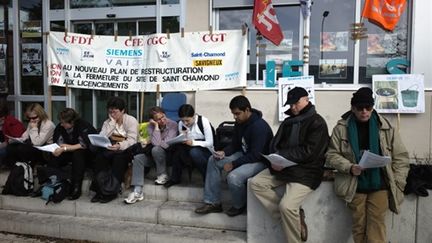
{"x":147,"y":211}
{"x":109,"y":230}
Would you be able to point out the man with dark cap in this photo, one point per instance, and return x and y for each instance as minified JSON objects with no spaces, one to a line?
{"x":368,"y":192}
{"x":302,"y":138}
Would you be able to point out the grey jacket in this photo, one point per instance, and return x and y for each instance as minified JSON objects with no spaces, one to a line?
{"x":341,"y":157}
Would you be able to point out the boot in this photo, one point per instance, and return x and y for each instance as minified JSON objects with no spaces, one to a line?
{"x":75,"y":193}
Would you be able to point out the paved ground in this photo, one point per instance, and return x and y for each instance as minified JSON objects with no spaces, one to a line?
{"x":6,"y":237}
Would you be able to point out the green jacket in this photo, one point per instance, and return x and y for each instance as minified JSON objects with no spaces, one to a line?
{"x":341,"y":157}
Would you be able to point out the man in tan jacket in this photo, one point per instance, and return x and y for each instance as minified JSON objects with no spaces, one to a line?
{"x":368,"y":192}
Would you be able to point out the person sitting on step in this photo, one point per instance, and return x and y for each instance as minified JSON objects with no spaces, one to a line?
{"x":161,"y":130}
{"x":196,"y":148}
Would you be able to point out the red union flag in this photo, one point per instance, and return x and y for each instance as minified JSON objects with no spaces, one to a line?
{"x":265,"y":21}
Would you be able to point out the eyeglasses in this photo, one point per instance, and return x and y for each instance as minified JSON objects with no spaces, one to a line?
{"x":33,"y":117}
{"x":362,"y":107}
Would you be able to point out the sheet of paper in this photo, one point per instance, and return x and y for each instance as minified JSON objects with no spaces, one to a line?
{"x":179,"y":139}
{"x":371,"y":160}
{"x":276,"y":159}
{"x":48,"y":148}
{"x":99,"y":140}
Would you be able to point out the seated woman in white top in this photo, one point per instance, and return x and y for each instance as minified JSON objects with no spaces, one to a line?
{"x":39,"y":132}
{"x":196,"y":148}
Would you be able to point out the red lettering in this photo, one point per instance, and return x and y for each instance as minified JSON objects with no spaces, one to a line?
{"x":214,"y":37}
{"x":161,"y":40}
{"x":81,"y":40}
{"x":134,"y":42}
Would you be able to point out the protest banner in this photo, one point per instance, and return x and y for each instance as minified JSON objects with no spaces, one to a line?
{"x":197,"y":61}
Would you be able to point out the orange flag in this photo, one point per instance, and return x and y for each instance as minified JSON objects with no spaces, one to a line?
{"x":265,"y":21}
{"x":385,"y":13}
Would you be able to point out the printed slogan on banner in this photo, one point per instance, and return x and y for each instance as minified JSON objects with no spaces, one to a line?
{"x":197,"y":61}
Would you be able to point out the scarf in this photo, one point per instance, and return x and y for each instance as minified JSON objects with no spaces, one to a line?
{"x":370,"y":179}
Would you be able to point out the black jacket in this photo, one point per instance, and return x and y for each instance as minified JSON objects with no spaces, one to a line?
{"x":309,"y":154}
{"x":81,"y":129}
{"x":252,"y":138}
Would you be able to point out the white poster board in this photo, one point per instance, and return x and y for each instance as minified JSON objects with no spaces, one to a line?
{"x":286,"y":84}
{"x":399,"y":93}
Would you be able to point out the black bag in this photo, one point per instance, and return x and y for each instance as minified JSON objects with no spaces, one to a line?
{"x":224,"y":134}
{"x":55,"y":190}
{"x":20,"y":180}
{"x":201,"y":128}
{"x":106,"y":184}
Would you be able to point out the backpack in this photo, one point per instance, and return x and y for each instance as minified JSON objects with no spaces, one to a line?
{"x":106,"y":183}
{"x":20,"y":180}
{"x":224,"y":134}
{"x":55,"y":190}
{"x":201,"y":128}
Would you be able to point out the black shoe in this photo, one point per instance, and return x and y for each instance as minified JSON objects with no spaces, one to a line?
{"x":209,"y":208}
{"x":36,"y":193}
{"x":75,"y":193}
{"x":107,"y":199}
{"x":96,"y":198}
{"x":170,"y":183}
{"x":303,"y":229}
{"x":235,"y":211}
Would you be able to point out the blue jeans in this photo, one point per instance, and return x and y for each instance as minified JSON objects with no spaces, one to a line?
{"x":236,"y":179}
{"x":200,"y":157}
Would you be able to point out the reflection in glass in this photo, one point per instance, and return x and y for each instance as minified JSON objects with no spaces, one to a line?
{"x":147,"y":27}
{"x":288,"y":17}
{"x":56,"y":4}
{"x":124,"y":28}
{"x":104,"y":28}
{"x":57,"y":26}
{"x":83,"y":28}
{"x":331,"y":51}
{"x":170,"y":1}
{"x":57,"y":107}
{"x":109,"y":3}
{"x":83,"y":103}
{"x":171,"y":23}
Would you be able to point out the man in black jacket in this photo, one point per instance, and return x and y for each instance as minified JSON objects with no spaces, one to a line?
{"x":301,"y":138}
{"x":240,"y":159}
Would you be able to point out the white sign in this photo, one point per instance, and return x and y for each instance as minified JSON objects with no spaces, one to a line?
{"x":399,"y":93}
{"x":286,"y":84}
{"x":197,"y":61}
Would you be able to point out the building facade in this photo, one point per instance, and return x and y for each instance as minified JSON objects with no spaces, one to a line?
{"x":322,"y":40}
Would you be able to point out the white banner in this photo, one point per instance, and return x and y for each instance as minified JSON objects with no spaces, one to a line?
{"x":197,"y":61}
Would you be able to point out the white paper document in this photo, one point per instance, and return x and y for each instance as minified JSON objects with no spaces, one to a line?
{"x":371,"y":160}
{"x":99,"y":140}
{"x":48,"y":148}
{"x":179,"y":139}
{"x":278,"y":160}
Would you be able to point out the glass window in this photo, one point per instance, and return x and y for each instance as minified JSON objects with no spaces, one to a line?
{"x":109,"y":3}
{"x":147,"y":27}
{"x":57,"y":107}
{"x":170,"y":1}
{"x":83,"y":103}
{"x":31,"y":47}
{"x":57,"y":25}
{"x":56,"y":4}
{"x":124,"y":28}
{"x":381,"y":46}
{"x":6,"y":57}
{"x":331,"y":51}
{"x":83,"y":28}
{"x":104,"y":28}
{"x":288,"y":17}
{"x":171,"y":23}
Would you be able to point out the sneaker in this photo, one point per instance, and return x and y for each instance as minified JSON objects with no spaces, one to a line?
{"x":303,"y":229}
{"x":209,"y":208}
{"x":170,"y":183}
{"x":235,"y":211}
{"x":161,"y":179}
{"x":134,"y":197}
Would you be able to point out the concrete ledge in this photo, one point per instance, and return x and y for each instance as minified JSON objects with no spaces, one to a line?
{"x":424,"y":219}
{"x":182,"y":213}
{"x":328,"y":219}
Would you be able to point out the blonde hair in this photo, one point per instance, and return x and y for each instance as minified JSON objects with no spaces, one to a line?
{"x":39,"y":110}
